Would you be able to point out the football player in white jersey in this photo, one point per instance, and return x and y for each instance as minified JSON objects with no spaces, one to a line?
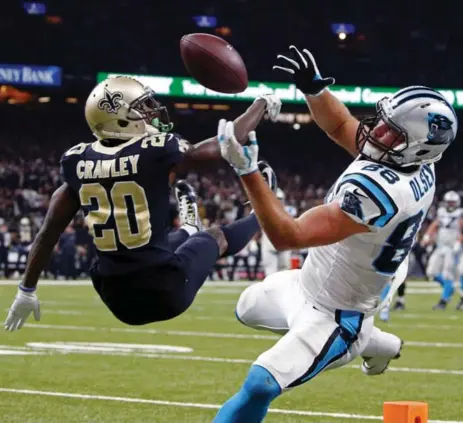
{"x":445,"y":233}
{"x":273,"y":260}
{"x":358,"y":241}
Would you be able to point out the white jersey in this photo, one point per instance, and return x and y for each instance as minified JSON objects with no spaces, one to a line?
{"x":449,"y":227}
{"x":350,"y":274}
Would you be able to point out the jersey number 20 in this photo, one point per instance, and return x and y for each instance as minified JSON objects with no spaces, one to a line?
{"x":398,"y":245}
{"x":133,"y":226}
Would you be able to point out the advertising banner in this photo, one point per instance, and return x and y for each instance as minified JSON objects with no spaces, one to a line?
{"x":348,"y":94}
{"x":30,"y":75}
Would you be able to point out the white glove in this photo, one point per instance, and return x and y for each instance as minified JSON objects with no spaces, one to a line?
{"x":273,"y":105}
{"x":457,"y":247}
{"x":243,"y":158}
{"x":23,"y":305}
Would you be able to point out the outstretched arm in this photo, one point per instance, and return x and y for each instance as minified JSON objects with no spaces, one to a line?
{"x":328,"y":112}
{"x":321,"y":225}
{"x":63,"y":206}
{"x":209,"y":150}
{"x":335,"y":119}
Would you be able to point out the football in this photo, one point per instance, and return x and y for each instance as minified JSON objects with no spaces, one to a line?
{"x":214,"y":63}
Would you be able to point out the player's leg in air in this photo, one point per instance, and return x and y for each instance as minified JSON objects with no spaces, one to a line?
{"x":336,"y":338}
{"x":380,"y":350}
{"x":197,"y":250}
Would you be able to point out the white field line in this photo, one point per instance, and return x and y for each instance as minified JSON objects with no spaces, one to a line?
{"x":432,"y":315}
{"x":438,"y":327}
{"x":208,"y":284}
{"x":186,"y":357}
{"x":86,"y":350}
{"x":196,"y":405}
{"x":86,"y":282}
{"x":210,"y":334}
{"x":455,"y":327}
{"x":62,"y":312}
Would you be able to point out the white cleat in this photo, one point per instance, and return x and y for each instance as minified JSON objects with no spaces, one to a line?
{"x":373,"y":366}
{"x":188,"y":209}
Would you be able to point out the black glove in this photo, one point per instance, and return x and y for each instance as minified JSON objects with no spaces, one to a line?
{"x":304,"y":71}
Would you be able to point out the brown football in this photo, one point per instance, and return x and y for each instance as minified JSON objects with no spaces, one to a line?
{"x":214,"y":63}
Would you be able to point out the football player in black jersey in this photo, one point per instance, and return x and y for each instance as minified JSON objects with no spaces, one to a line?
{"x":143,"y":273}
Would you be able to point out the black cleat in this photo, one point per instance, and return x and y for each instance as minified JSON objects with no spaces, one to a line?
{"x":187,"y":207}
{"x":460,"y":304}
{"x":398,"y":306}
{"x":441,"y":305}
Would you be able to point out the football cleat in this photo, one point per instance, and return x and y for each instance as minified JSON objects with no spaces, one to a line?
{"x":187,"y":207}
{"x":460,"y":304}
{"x":398,"y":306}
{"x":373,"y":366}
{"x":441,"y":305}
{"x":269,"y":175}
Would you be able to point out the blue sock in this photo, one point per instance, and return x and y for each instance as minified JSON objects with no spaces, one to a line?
{"x":448,"y":290}
{"x":440,"y":280}
{"x":385,"y":291}
{"x":251,"y":403}
{"x":239,"y":233}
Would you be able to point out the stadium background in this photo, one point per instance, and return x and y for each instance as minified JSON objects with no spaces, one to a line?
{"x":40,"y":118}
{"x":79,"y":364}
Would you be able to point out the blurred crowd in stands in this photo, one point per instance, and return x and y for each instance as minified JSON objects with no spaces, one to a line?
{"x":307,"y":164}
{"x":398,"y":45}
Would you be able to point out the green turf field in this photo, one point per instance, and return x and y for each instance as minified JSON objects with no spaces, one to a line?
{"x":78,"y":382}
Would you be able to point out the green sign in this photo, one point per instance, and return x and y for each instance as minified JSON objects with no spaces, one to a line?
{"x":348,"y":94}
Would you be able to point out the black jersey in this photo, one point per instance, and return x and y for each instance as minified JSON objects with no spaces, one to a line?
{"x":124,"y":193}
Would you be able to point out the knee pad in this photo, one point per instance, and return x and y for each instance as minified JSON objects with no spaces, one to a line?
{"x":260,"y":384}
{"x":245,"y":304}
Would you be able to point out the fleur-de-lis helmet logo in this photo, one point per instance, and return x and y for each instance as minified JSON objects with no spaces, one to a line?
{"x":111,"y":101}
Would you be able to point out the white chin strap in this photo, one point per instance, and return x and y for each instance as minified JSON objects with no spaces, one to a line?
{"x":375,"y":153}
{"x":149,"y":130}
{"x":371,"y":151}
{"x":116,"y":135}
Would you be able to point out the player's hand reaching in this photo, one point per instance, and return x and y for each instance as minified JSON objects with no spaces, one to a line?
{"x":303,"y":70}
{"x":25,"y":303}
{"x":243,"y":158}
{"x":273,"y":105}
